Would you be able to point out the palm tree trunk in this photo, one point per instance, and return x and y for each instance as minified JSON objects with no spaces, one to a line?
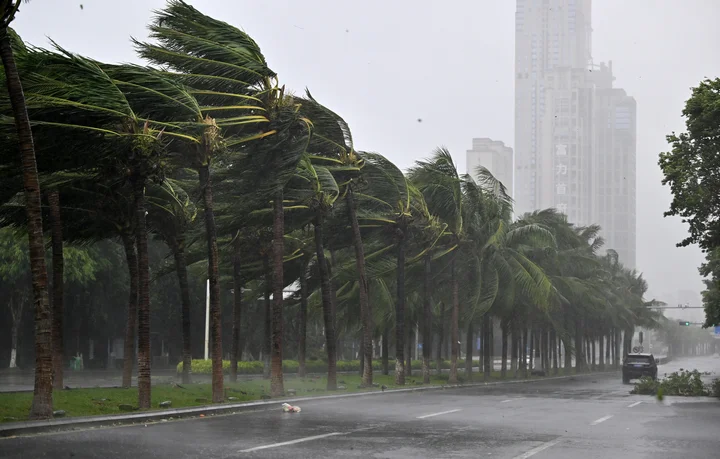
{"x":267,"y":326}
{"x":42,"y":393}
{"x":365,"y":308}
{"x":524,"y":351}
{"x":277,"y":387}
{"x":400,"y":313}
{"x":144,"y":356}
{"x":504,"y":349}
{"x":214,"y":278}
{"x":302,"y":339}
{"x":235,"y":350}
{"x":469,"y":351}
{"x":408,"y":348}
{"x":326,"y":294}
{"x":514,"y":350}
{"x":440,"y":342}
{"x":131,"y":325}
{"x":555,"y":348}
{"x":178,"y":248}
{"x":601,"y":349}
{"x":386,"y":350}
{"x":58,"y":289}
{"x":488,"y":355}
{"x":455,"y":316}
{"x":532,"y":350}
{"x":579,"y":360}
{"x":427,"y":320}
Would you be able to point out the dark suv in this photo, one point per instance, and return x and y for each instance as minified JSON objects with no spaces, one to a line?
{"x":636,"y":366}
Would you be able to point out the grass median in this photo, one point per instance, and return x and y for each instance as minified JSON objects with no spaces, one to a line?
{"x":15,"y":406}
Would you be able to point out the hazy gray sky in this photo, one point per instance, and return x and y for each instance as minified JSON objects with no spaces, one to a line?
{"x":384,"y":64}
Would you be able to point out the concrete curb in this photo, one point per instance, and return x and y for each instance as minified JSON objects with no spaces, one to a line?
{"x":12,"y":429}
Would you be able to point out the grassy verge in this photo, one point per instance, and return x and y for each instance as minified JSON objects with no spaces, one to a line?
{"x":105,"y":401}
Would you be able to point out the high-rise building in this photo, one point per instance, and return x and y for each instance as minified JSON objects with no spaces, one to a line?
{"x":574,"y":132}
{"x":552,"y":48}
{"x":615,"y":182}
{"x":495,"y":156}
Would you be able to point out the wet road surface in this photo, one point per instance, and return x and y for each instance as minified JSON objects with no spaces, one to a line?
{"x":588,"y":417}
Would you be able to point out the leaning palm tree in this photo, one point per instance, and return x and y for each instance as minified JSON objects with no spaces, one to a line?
{"x":111,"y":106}
{"x":248,"y":110}
{"x":42,"y":393}
{"x":332,"y":144}
{"x":170,"y":214}
{"x":440,"y":183}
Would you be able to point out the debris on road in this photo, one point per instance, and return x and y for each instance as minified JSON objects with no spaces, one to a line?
{"x":288,"y":408}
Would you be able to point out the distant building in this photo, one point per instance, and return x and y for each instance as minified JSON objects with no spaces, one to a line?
{"x":552,"y":48}
{"x":575,"y":134}
{"x":495,"y":156}
{"x":615,"y":166}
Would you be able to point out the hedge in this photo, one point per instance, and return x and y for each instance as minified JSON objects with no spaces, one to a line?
{"x":255,"y":367}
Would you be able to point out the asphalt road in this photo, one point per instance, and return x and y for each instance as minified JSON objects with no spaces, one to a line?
{"x":590,"y":417}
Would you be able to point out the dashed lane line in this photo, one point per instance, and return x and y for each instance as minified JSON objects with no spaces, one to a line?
{"x":634,"y":404}
{"x":438,"y":414}
{"x":602,"y":419}
{"x":538,"y":449}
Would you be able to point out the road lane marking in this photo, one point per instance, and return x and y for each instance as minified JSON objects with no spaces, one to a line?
{"x":634,"y":404}
{"x":438,"y":414}
{"x":292,"y":442}
{"x":602,"y":419}
{"x":513,"y":399}
{"x":537,"y":449}
{"x":505,"y":401}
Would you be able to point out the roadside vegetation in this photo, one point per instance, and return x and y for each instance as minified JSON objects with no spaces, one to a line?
{"x":686,"y":383}
{"x":201,"y":175}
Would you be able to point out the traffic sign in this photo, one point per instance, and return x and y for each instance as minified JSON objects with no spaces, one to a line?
{"x":717,"y":329}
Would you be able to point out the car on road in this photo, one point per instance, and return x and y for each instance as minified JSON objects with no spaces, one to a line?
{"x":635,"y":366}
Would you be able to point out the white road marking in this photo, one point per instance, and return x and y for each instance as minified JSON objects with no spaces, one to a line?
{"x":292,"y":442}
{"x":505,"y":401}
{"x":634,"y":404}
{"x":537,"y":449}
{"x":513,"y":399}
{"x":439,"y":414}
{"x":602,"y":419}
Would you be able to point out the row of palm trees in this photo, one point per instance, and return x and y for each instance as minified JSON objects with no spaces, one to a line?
{"x":205,"y":149}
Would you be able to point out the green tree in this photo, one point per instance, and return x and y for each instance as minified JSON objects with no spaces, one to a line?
{"x":690,"y":168}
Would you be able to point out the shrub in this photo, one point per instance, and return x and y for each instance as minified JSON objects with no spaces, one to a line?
{"x":646,"y":386}
{"x":682,"y":383}
{"x":714,"y":388}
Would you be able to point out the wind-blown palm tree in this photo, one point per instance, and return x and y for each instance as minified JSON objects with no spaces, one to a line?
{"x":42,"y":392}
{"x":440,"y":183}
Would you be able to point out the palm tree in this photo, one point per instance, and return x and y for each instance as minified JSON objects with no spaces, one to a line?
{"x":228,"y":74}
{"x":439,"y":181}
{"x":332,"y":140}
{"x":42,"y":393}
{"x":113,"y":104}
{"x":170,"y":214}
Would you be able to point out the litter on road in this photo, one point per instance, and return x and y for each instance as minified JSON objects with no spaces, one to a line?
{"x":288,"y":408}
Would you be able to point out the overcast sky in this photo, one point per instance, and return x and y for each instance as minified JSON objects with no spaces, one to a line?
{"x":384,"y":64}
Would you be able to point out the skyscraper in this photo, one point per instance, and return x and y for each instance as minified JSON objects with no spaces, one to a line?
{"x":495,"y":156}
{"x":552,"y":56}
{"x":574,"y":132}
{"x":615,"y":169}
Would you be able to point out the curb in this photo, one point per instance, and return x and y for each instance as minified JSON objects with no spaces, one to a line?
{"x":13,"y":429}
